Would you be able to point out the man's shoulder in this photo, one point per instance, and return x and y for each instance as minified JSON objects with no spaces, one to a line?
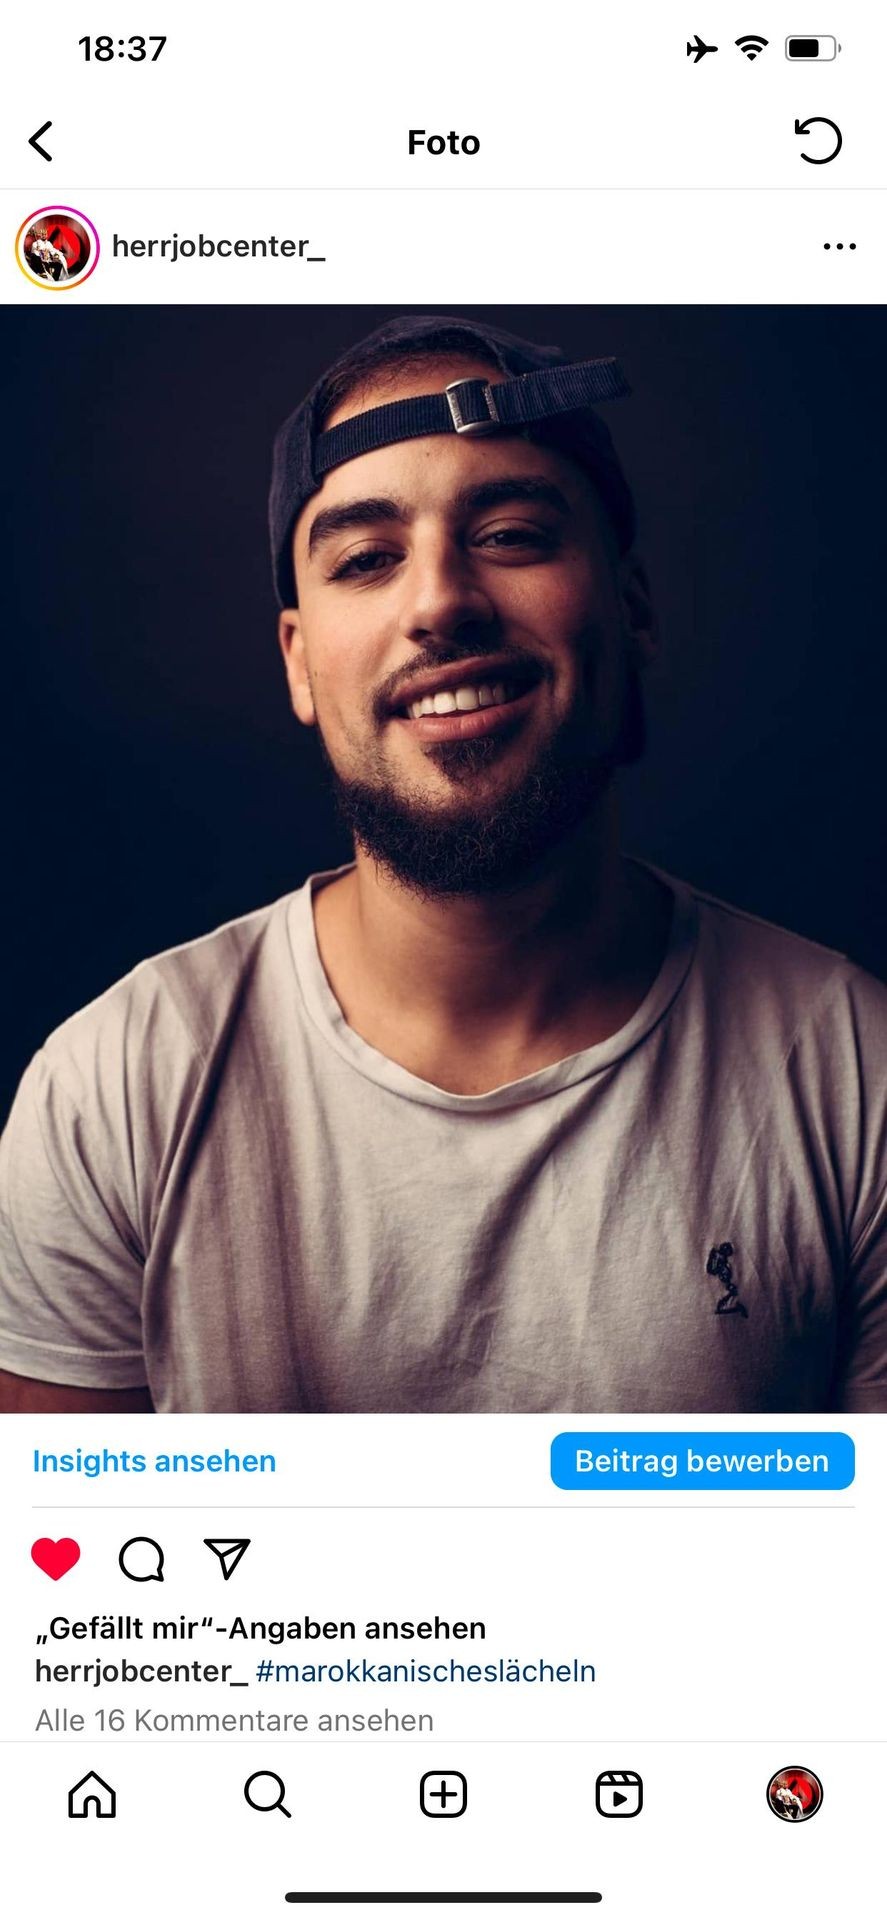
{"x":779,"y":978}
{"x":170,"y":1009}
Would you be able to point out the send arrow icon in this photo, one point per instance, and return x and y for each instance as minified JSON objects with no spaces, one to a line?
{"x":229,"y":1554}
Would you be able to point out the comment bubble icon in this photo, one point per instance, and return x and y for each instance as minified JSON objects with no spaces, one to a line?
{"x":141,"y":1558}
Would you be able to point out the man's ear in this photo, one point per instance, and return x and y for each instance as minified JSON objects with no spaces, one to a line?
{"x":292,"y":646}
{"x":641,"y":628}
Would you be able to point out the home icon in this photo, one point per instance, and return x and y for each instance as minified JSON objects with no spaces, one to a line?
{"x":92,"y":1795}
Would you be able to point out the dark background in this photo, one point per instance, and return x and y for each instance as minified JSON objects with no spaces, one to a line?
{"x":158,"y":784}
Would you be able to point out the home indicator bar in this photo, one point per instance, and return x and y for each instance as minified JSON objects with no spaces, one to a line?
{"x":448,"y":1899}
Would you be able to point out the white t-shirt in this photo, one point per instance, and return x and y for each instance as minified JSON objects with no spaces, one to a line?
{"x":209,"y":1182}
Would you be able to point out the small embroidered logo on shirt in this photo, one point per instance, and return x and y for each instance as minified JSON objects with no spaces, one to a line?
{"x":719,"y":1265}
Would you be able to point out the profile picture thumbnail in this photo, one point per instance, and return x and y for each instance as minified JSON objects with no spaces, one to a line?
{"x":794,"y":1793}
{"x":57,"y":247}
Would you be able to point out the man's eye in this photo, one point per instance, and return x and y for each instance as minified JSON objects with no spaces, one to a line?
{"x":359,"y":565}
{"x":501,"y":539}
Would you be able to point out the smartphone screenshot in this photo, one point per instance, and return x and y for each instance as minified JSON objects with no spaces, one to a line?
{"x":443,"y":1085}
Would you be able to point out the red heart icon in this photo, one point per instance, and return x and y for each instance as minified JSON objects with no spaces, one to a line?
{"x":55,"y":1557}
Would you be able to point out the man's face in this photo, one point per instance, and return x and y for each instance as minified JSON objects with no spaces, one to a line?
{"x":465,"y":640}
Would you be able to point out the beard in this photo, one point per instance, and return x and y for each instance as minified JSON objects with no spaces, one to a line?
{"x":492,"y":847}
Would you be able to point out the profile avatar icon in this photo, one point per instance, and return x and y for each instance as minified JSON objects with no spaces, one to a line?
{"x":57,"y":247}
{"x":794,"y":1794}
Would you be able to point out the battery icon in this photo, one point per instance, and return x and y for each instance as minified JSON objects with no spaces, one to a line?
{"x":811,"y":46}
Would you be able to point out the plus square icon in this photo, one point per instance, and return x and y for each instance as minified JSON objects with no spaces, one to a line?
{"x":443,"y":1796}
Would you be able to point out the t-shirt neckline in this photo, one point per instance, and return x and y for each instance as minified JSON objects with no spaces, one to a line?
{"x":327,"y":1017}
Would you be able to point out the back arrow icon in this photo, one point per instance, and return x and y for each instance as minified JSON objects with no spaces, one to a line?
{"x":35,"y":141}
{"x":818,"y":120}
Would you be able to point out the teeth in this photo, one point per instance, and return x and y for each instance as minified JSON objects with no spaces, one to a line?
{"x":460,"y":700}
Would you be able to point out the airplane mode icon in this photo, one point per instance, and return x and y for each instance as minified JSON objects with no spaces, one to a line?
{"x":699,"y":49}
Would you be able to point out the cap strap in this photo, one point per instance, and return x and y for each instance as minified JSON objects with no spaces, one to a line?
{"x":473,"y":406}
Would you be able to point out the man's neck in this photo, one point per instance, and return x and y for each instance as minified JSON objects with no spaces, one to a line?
{"x":472,"y":992}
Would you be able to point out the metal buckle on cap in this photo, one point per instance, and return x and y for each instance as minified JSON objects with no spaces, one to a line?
{"x":464,"y":415}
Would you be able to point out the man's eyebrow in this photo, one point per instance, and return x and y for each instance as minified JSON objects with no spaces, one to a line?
{"x":509,"y":489}
{"x":352,"y":513}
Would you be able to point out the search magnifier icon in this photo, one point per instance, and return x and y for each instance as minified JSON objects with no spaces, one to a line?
{"x":264,"y":1792}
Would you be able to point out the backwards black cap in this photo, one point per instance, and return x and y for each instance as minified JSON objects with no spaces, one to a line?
{"x":543,"y":395}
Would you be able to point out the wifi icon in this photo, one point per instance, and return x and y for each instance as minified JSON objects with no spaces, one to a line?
{"x":751,"y":44}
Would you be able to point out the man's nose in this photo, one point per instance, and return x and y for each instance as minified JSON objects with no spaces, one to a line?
{"x":442,"y":596}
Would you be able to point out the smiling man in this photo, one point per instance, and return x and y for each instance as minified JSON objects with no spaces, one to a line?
{"x":495,"y":1118}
